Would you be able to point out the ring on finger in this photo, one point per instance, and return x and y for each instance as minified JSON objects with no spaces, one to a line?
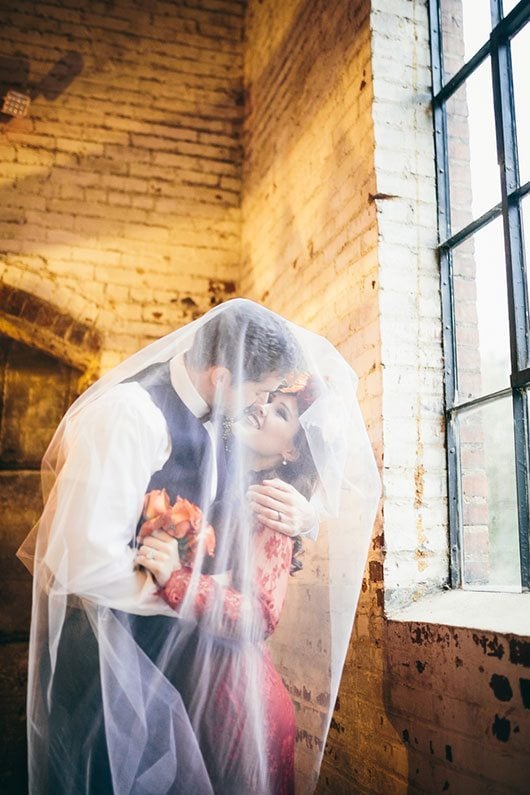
{"x":151,"y":554}
{"x":279,"y":516}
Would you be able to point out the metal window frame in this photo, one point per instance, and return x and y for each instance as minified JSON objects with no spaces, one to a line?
{"x":497,"y":49}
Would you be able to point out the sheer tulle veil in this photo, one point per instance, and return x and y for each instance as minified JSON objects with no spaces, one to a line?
{"x":181,"y":698}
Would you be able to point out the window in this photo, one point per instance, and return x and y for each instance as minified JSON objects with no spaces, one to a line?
{"x":481,"y":107}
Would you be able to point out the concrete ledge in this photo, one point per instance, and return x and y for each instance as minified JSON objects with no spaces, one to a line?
{"x":506,"y":613}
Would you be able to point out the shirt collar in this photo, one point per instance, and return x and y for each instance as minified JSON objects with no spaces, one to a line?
{"x":181,"y":383}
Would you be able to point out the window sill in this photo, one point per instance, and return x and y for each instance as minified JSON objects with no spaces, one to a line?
{"x":505,"y":613}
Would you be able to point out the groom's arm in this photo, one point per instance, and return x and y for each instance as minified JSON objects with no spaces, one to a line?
{"x":111,"y":450}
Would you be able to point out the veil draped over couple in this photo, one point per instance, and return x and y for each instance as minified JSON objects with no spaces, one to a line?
{"x":208,"y":510}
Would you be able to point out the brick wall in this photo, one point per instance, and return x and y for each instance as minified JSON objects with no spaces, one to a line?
{"x":339,"y":233}
{"x":119,"y":220}
{"x":120,"y":199}
{"x":309,"y":251}
{"x":438,"y":708}
{"x":120,"y":191}
{"x":309,"y":219}
{"x":414,"y":473}
{"x":459,"y":701}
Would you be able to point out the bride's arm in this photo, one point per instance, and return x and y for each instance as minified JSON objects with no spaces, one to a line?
{"x":230,"y":611}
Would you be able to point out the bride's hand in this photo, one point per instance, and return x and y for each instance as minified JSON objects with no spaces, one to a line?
{"x":279,"y":506}
{"x":159,"y":554}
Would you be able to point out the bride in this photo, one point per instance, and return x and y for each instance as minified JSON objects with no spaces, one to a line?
{"x":274,"y":446}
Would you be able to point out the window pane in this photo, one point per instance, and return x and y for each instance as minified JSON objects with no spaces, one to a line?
{"x":507,"y":6}
{"x":489,"y":503}
{"x":466,"y":26}
{"x":525,"y":216}
{"x":481,"y":313}
{"x":520,"y":47}
{"x":473,"y":172}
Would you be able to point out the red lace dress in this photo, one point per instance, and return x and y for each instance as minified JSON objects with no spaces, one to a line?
{"x":224,"y":728}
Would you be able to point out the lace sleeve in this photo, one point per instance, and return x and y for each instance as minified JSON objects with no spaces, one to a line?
{"x":271,"y":564}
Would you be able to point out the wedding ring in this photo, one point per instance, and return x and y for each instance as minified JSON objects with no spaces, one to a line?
{"x":279,"y":517}
{"x":151,"y":555}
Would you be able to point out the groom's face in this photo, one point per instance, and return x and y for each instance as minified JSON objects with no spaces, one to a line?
{"x":241,"y":397}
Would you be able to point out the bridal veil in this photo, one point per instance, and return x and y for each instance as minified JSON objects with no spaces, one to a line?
{"x":180,"y":699}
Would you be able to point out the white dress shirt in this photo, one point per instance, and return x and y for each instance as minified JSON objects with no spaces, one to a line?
{"x":113,"y":446}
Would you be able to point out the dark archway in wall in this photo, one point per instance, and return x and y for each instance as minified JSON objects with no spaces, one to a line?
{"x":36,"y":388}
{"x":39,"y":324}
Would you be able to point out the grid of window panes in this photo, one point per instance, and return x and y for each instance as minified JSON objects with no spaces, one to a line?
{"x":481,"y":107}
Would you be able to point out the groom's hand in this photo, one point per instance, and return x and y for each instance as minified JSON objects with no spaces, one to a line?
{"x":279,"y":506}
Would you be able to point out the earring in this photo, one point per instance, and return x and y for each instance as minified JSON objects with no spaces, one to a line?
{"x":284,"y":462}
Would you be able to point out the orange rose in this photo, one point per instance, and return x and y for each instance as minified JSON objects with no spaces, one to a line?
{"x":185,"y":511}
{"x":161,"y":522}
{"x":183,"y":521}
{"x":155,"y":503}
{"x":187,"y":522}
{"x":297,"y":382}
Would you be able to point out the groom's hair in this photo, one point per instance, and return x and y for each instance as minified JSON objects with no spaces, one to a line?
{"x":247,"y":339}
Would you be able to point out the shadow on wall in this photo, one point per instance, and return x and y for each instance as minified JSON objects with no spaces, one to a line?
{"x":14,"y":74}
{"x":55,"y":210}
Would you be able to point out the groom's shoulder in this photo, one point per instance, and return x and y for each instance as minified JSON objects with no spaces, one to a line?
{"x":154,"y":375}
{"x":122,"y":404}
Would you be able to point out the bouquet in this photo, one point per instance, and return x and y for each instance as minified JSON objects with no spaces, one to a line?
{"x":183,"y":520}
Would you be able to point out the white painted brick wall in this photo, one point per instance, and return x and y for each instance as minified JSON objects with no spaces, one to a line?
{"x":410,"y":303}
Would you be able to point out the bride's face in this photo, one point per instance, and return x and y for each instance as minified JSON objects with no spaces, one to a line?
{"x":269,"y":431}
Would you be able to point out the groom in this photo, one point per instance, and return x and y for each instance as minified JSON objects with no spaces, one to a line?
{"x":153,"y":431}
